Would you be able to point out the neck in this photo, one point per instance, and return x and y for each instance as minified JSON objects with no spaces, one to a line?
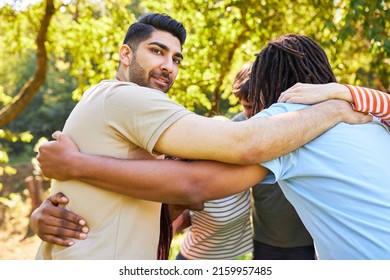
{"x":119,"y":76}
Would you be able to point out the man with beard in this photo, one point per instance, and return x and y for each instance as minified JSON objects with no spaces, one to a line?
{"x":100,"y":124}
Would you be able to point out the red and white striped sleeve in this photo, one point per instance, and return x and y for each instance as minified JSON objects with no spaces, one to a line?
{"x":371,"y":101}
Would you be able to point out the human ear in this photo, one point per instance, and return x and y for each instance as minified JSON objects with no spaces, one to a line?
{"x":125,"y":54}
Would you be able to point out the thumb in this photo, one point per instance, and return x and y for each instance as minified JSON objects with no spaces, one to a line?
{"x":58,"y":198}
{"x":56,"y":134}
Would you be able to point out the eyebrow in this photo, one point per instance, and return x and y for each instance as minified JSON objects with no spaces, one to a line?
{"x":164,"y":47}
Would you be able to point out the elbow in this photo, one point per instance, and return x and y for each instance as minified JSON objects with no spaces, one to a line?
{"x":195,"y":192}
{"x":251,"y":154}
{"x":250,"y":147}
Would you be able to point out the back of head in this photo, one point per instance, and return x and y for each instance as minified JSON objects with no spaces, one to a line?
{"x":146,"y":25}
{"x":284,"y":62}
{"x":241,"y":82}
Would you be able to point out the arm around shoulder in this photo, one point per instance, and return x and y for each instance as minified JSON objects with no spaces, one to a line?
{"x":255,"y":140}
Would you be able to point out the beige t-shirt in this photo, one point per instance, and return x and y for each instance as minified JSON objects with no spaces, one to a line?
{"x":123,"y":120}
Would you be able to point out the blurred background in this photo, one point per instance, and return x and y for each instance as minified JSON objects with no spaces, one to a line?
{"x":52,"y":50}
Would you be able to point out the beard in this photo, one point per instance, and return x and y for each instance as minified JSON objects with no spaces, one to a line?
{"x":139,"y":76}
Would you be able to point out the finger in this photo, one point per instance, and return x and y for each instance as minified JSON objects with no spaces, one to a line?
{"x":56,"y":134}
{"x":71,"y":217}
{"x":51,"y":228}
{"x":54,"y":222}
{"x":368,"y":118}
{"x":61,"y":232}
{"x":58,"y":198}
{"x":282,"y":98}
{"x":295,"y":99}
{"x":56,"y":240}
{"x":60,"y":216}
{"x":54,"y":215}
{"x":285,"y":96}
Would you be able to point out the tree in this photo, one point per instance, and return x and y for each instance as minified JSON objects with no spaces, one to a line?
{"x":31,"y":87}
{"x":364,"y":34}
{"x":84,"y":35}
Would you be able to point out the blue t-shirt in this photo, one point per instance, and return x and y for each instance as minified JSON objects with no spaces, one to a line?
{"x":339,"y":183}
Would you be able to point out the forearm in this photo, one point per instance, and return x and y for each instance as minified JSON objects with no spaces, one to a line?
{"x":173,"y":182}
{"x":284,"y":133}
{"x":364,"y":100}
{"x":182,"y":222}
{"x":131,"y":178}
{"x":315,"y":93}
{"x":255,"y":140}
{"x":341,"y":92}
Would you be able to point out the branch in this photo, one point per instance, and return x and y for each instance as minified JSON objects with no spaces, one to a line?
{"x":32,"y":86}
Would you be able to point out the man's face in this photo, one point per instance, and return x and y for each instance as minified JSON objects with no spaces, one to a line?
{"x":155,"y":64}
{"x":247,"y":106}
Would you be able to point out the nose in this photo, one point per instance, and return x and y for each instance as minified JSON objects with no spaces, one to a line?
{"x":167,"y":66}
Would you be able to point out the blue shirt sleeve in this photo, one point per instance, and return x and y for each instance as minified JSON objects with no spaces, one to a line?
{"x":277,"y":166}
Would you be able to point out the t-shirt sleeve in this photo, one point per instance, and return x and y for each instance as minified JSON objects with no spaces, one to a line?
{"x":273,"y":174}
{"x":279,"y":167}
{"x":141,"y":114}
{"x":371,"y":101}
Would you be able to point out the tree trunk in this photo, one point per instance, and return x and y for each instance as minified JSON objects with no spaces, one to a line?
{"x":31,"y":87}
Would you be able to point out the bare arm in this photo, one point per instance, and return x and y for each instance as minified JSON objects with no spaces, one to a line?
{"x":182,"y":222}
{"x":365,"y":100}
{"x":174,"y":182}
{"x":315,"y":93}
{"x":179,"y":182}
{"x":255,"y":140}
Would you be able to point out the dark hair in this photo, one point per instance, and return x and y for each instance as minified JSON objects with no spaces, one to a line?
{"x":284,"y":62}
{"x":146,"y":25}
{"x":241,"y":82}
{"x":166,"y":233}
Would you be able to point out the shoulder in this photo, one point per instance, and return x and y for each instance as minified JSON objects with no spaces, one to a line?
{"x":119,"y":87}
{"x":130,"y":94}
{"x":279,"y":108}
{"x":239,"y":117}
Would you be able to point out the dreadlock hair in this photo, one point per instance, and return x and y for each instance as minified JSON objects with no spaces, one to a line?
{"x":284,"y":62}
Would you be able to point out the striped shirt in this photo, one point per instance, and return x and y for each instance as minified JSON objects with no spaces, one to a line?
{"x":221,"y":231}
{"x":371,"y":101}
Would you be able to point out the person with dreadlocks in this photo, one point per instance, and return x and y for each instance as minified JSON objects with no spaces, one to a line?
{"x":334,"y":182}
{"x":278,"y":232}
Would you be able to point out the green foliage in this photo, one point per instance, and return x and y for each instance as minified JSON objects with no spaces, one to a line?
{"x":14,"y":210}
{"x":223,"y":35}
{"x":46,"y":113}
{"x":84,"y":37}
{"x":93,"y":55}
